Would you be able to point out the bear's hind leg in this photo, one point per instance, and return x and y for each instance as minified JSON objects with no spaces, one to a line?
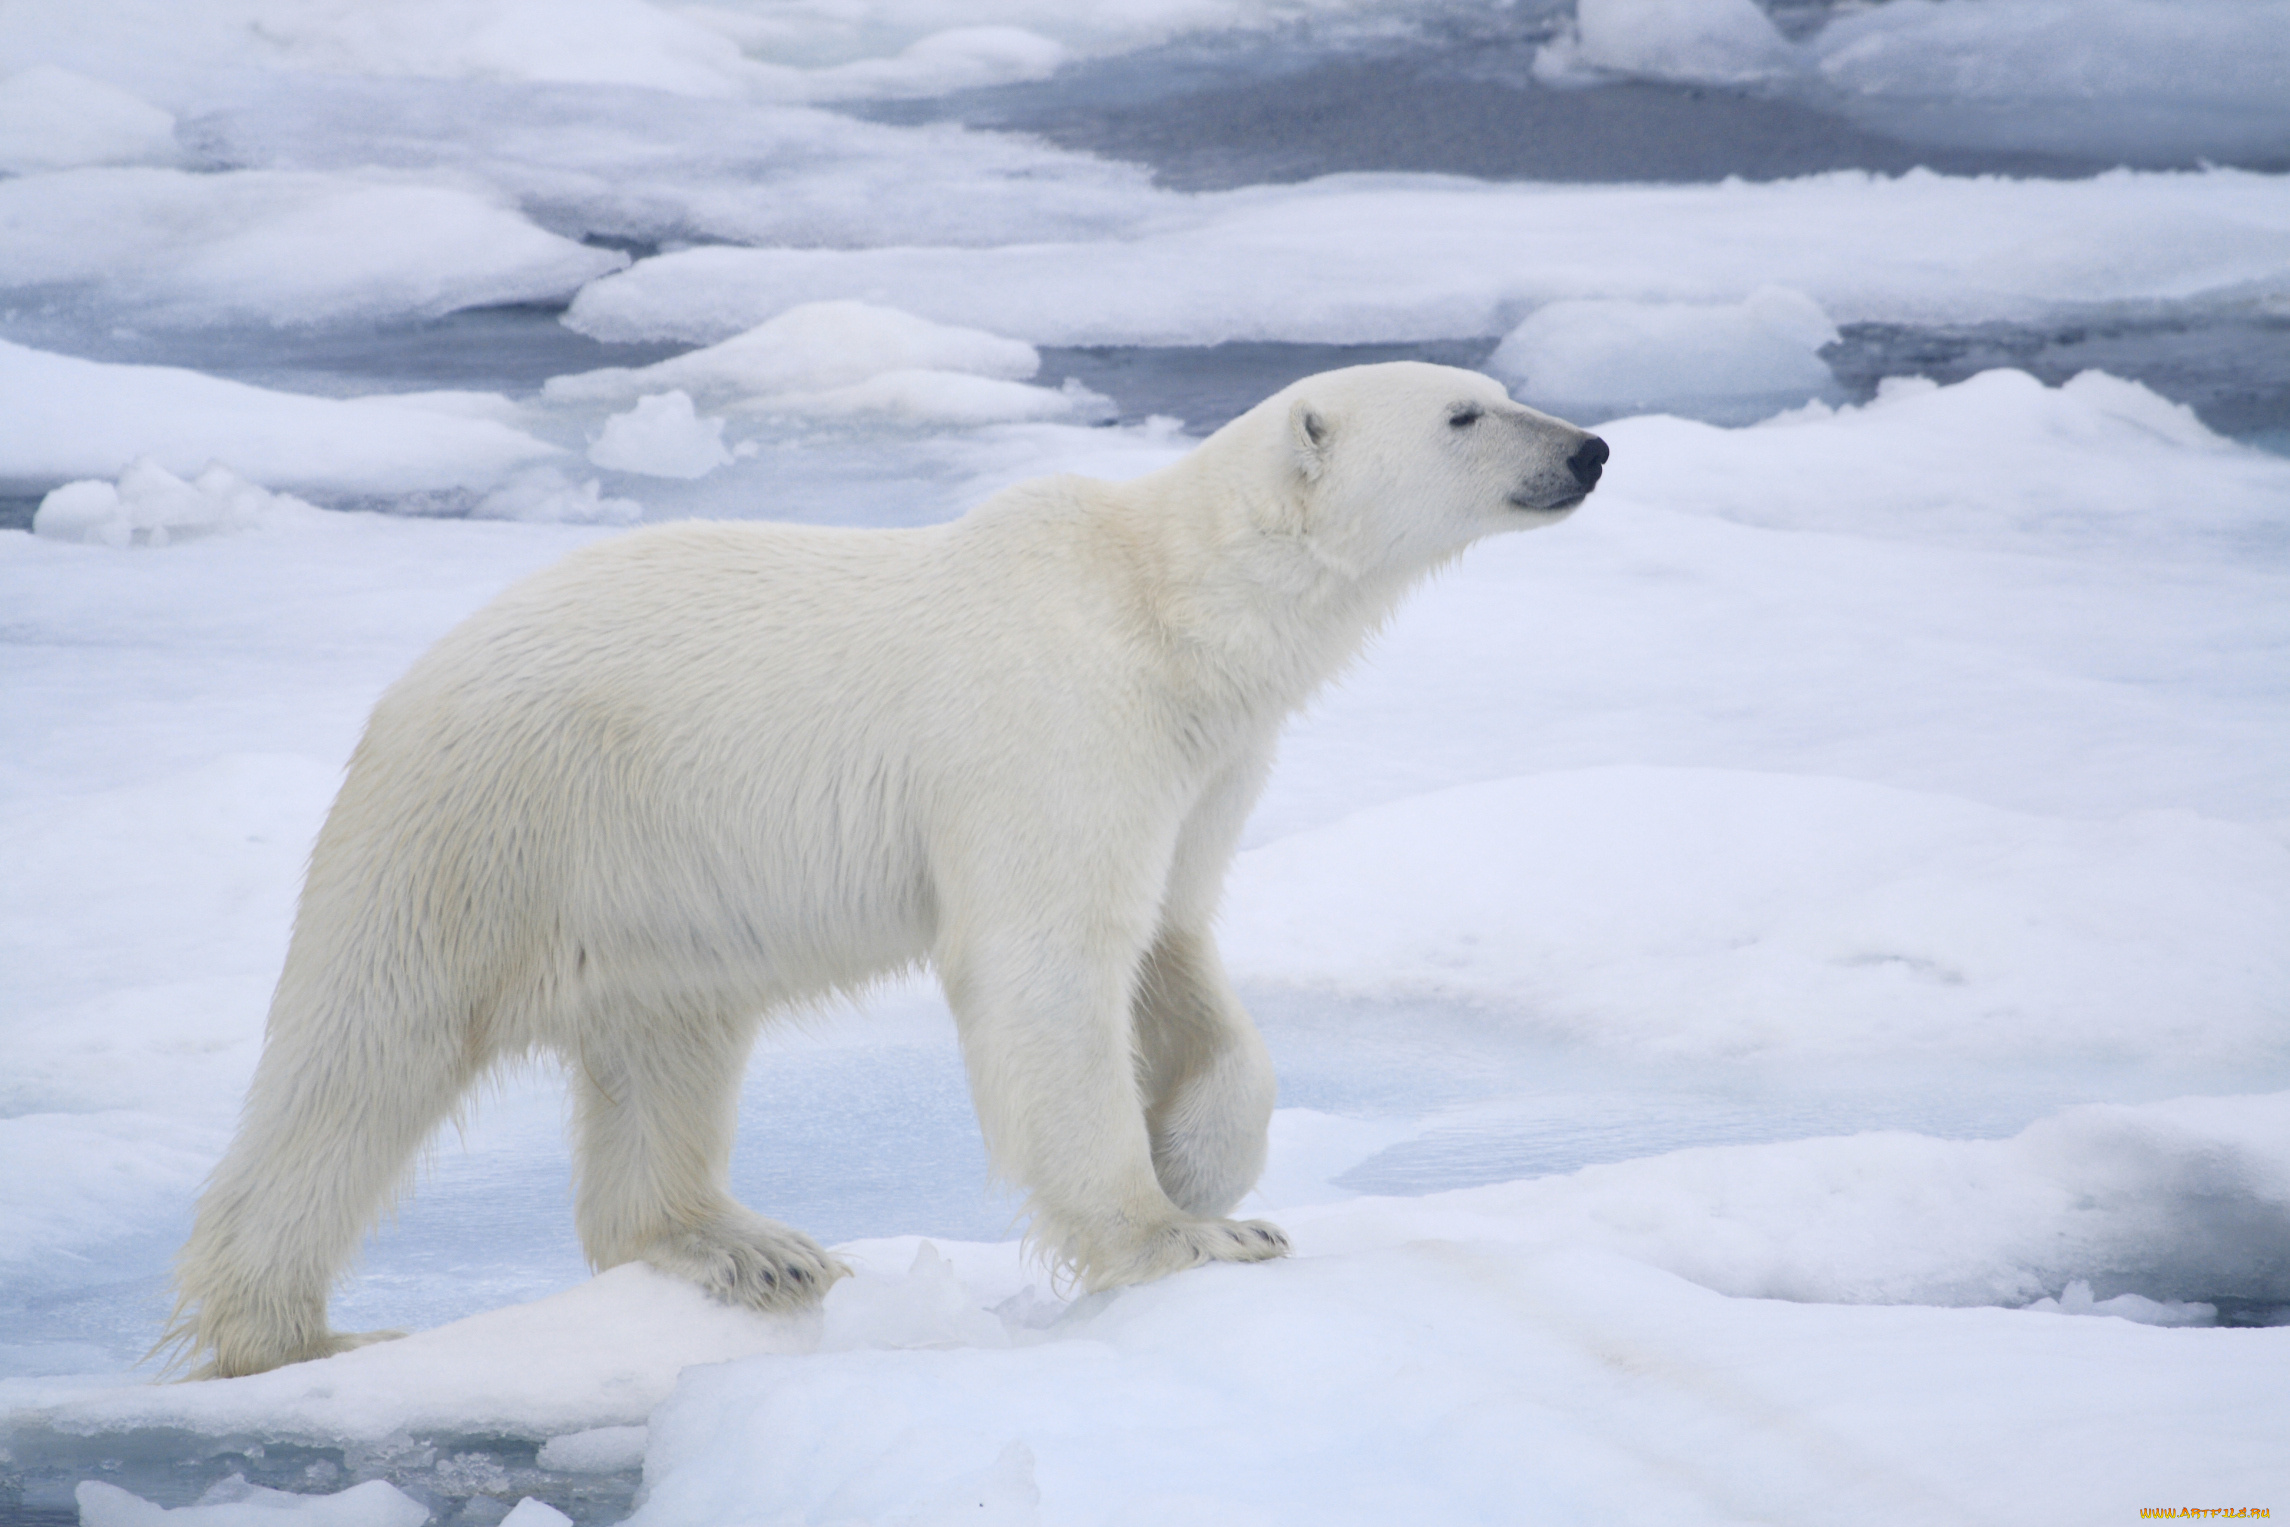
{"x":658,"y":1104}
{"x":1206,"y":1075}
{"x":327,"y":1135}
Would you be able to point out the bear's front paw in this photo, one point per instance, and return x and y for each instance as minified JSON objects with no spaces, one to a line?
{"x":745,"y":1259}
{"x":1188,"y":1243}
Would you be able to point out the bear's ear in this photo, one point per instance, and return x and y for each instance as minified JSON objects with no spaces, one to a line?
{"x":1308,"y":435}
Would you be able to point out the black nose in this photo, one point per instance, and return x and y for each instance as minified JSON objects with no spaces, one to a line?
{"x":1588,"y":460}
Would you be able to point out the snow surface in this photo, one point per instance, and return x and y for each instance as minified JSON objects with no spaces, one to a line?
{"x":1805,"y":763}
{"x":1777,"y":983}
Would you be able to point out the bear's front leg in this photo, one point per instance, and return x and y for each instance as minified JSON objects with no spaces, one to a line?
{"x":1045,"y":1020}
{"x":1208,"y":1080}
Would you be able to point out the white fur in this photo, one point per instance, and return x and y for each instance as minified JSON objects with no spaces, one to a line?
{"x":701,"y":773}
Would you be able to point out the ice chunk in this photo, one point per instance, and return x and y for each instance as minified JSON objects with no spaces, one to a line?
{"x":1626,"y":355}
{"x":945,"y":397}
{"x":2076,"y":1299}
{"x":929,"y":1307}
{"x":814,"y":347}
{"x":72,"y":419}
{"x":535,"y":1513}
{"x":151,"y":505}
{"x":54,"y":119}
{"x":544,"y":495}
{"x":599,"y":1450}
{"x":1710,"y":42}
{"x":235,"y":1503}
{"x":661,"y":437}
{"x":275,"y":246}
{"x":959,"y":58}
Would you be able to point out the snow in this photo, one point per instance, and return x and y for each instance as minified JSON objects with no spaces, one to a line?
{"x":179,"y":249}
{"x":55,"y":119}
{"x":1357,"y":259}
{"x":1618,"y":357}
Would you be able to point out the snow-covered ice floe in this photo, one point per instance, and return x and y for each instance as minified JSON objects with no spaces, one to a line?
{"x":73,"y":418}
{"x":1360,"y":258}
{"x":272,"y":246}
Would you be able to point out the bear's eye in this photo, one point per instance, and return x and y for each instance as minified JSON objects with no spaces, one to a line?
{"x":1463,"y":418}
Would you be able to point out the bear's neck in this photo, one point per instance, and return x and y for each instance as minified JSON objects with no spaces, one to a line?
{"x":1245,"y":613}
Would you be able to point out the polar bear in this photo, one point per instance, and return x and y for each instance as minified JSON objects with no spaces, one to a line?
{"x":703,"y":773}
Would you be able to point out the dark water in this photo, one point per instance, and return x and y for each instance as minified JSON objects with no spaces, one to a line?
{"x":511,"y":350}
{"x":466,"y":1481}
{"x":1455,"y":94}
{"x":2232,"y":369}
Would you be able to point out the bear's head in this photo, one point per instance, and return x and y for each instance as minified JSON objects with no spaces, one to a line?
{"x":1394,"y":468}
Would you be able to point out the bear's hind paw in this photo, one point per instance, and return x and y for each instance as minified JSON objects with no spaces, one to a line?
{"x":245,"y":1358}
{"x":744,"y":1259}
